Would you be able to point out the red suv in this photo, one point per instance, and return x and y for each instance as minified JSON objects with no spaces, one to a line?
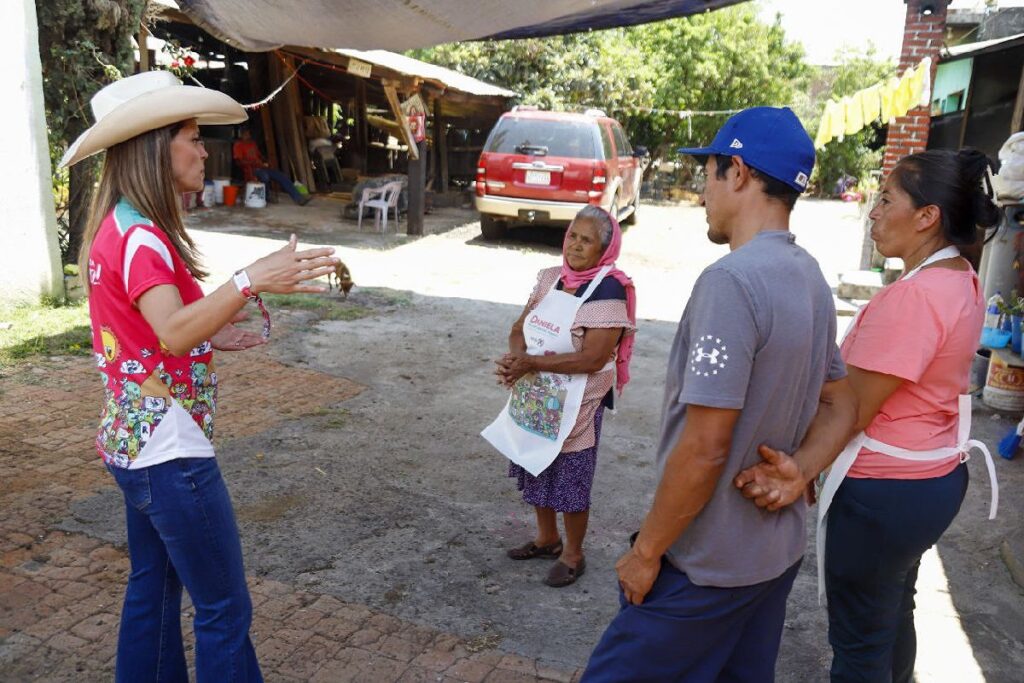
{"x":544,"y":166}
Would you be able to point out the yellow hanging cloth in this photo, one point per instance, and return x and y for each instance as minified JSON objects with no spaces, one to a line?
{"x":886,"y":95}
{"x":872,"y":102}
{"x":837,"y":121}
{"x":824,"y":135}
{"x":905,"y":96}
{"x":854,"y":118}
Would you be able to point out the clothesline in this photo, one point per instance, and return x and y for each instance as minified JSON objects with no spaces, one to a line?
{"x":268,"y":98}
{"x":884,"y":102}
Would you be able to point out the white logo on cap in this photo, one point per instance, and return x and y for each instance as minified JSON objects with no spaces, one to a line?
{"x":801,"y":179}
{"x":736,"y":144}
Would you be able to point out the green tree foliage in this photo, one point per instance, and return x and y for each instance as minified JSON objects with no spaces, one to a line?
{"x":600,"y":68}
{"x":84,"y":44}
{"x":857,"y":155}
{"x":725,"y":59}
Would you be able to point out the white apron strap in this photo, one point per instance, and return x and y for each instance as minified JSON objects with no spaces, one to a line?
{"x":835,"y":477}
{"x":842,"y":465}
{"x":967,"y":443}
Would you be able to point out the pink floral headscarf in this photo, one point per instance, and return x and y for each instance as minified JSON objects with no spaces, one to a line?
{"x":576,"y":278}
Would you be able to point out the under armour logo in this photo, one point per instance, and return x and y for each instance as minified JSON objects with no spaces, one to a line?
{"x":707,"y":363}
{"x":713,"y":356}
{"x":736,"y":144}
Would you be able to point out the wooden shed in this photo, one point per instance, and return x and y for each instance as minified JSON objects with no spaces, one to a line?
{"x":364,"y":103}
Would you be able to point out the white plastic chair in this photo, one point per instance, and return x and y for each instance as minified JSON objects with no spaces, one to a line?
{"x":381,"y":199}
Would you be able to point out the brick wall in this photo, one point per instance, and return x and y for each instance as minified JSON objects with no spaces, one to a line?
{"x":922,"y":37}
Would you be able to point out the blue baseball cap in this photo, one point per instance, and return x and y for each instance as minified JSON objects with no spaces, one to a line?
{"x":770,"y":139}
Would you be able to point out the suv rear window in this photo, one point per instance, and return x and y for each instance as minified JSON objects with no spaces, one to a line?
{"x":543,"y":137}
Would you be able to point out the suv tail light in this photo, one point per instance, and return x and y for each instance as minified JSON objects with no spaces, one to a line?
{"x":481,"y":179}
{"x":597,"y":186}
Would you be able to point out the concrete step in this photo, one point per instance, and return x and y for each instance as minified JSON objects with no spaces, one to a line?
{"x":859,"y":284}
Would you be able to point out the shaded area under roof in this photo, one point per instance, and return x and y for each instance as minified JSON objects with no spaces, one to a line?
{"x":414,"y":67}
{"x":261,"y":25}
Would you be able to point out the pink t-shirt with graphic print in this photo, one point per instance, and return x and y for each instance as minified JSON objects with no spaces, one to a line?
{"x":924,"y":330}
{"x":158,"y":407}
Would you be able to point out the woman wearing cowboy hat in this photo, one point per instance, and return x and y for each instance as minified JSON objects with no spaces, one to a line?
{"x":154,"y":333}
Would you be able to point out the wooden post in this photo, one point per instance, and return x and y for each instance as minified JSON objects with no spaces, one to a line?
{"x":1018,"y":107}
{"x":362,"y":126}
{"x":403,"y":122}
{"x":304,"y":168}
{"x":143,"y":49}
{"x":967,"y":107}
{"x":440,"y":148}
{"x":259,"y":72}
{"x":417,"y":179}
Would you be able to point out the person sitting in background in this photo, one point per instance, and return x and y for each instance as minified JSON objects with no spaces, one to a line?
{"x":247,"y":155}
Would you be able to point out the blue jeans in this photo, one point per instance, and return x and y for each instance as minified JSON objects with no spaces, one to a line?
{"x":878,"y":529}
{"x":265,"y":175}
{"x":687,"y":633}
{"x":182,"y":532}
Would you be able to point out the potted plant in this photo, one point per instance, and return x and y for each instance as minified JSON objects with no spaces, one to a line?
{"x":1013,"y":311}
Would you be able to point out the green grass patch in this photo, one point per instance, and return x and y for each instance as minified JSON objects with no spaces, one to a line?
{"x":325,"y":308}
{"x":46,"y":329}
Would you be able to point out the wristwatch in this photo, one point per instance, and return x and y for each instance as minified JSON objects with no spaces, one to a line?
{"x":241,"y":280}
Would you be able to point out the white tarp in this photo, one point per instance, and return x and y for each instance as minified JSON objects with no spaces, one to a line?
{"x":259,"y":25}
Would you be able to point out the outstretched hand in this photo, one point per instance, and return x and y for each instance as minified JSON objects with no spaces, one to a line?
{"x":284,"y":271}
{"x":775,"y":482}
{"x":231,"y":338}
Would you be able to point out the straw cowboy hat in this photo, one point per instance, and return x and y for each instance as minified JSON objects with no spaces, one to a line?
{"x":145,"y":102}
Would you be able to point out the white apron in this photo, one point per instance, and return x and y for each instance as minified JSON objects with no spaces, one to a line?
{"x":842,"y":464}
{"x":542,"y":407}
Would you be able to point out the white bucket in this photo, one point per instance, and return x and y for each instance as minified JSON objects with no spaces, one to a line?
{"x":255,"y":195}
{"x":209,"y":194}
{"x":218,"y":189}
{"x":1004,"y":386}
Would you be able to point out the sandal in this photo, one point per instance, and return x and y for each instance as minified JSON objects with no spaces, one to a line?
{"x":531,"y":551}
{"x":562,"y":575}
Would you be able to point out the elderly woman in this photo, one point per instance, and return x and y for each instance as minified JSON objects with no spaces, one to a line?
{"x":568,"y":352}
{"x":898,"y":484}
{"x":154,"y":332}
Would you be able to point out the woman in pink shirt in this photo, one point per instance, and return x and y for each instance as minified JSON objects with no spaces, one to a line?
{"x":908,"y":354}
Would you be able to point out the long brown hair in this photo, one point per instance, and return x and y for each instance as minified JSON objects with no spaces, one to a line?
{"x":139,"y":170}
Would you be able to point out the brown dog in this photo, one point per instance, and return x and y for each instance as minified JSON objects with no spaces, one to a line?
{"x":342,"y":277}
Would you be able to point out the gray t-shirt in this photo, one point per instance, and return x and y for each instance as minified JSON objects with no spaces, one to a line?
{"x":758,"y":334}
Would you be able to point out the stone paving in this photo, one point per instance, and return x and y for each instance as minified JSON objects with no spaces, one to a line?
{"x":60,"y":592}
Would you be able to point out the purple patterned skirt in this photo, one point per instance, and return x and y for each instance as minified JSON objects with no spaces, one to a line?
{"x":565,"y":485}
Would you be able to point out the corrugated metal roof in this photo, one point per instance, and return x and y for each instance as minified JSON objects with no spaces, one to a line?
{"x":969,"y":49}
{"x":414,"y":67}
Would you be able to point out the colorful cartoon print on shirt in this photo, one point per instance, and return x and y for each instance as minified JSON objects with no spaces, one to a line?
{"x":141,"y":377}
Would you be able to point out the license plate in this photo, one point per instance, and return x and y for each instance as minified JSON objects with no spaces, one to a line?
{"x":538,"y":177}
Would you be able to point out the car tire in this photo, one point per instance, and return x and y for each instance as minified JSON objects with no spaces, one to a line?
{"x":491,"y":228}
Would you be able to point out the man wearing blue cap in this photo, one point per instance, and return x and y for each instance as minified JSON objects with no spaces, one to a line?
{"x":754,"y":361}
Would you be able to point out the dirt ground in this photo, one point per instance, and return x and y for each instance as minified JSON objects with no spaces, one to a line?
{"x":390,"y":498}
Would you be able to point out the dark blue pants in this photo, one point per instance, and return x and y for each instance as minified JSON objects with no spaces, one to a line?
{"x":878,"y":529}
{"x":265,"y":175}
{"x":685,"y":633}
{"x":181,"y":531}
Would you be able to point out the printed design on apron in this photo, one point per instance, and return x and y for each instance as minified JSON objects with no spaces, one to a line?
{"x":538,"y":401}
{"x":842,"y":464}
{"x":542,"y":407}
